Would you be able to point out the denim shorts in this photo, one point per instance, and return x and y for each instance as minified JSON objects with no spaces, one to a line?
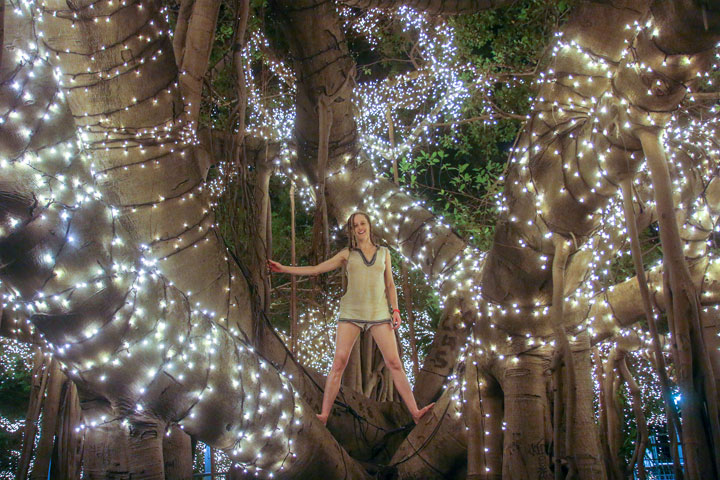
{"x":365,"y":325}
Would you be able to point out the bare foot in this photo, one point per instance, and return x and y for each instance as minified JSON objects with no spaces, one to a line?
{"x":422,"y":411}
{"x":322,"y":418}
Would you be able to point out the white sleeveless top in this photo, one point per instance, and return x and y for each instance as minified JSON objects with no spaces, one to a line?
{"x":365,"y":297}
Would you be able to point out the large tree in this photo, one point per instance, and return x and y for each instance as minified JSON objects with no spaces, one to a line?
{"x":109,"y":243}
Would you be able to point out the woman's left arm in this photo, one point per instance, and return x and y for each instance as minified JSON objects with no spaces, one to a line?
{"x":391,"y":292}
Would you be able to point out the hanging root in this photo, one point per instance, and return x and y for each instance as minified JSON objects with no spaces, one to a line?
{"x":603,"y":414}
{"x":557,"y":411}
{"x":562,"y":251}
{"x":659,"y":360}
{"x":701,"y":425}
{"x":642,"y":429}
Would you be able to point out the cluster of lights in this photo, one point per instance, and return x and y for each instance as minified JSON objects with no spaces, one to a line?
{"x":584,"y":117}
{"x":585,"y":120}
{"x":142,"y":334}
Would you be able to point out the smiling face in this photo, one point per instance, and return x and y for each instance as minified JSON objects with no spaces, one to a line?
{"x":359,"y":228}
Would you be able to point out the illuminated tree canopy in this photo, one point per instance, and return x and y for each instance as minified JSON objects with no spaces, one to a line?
{"x":544,"y":173}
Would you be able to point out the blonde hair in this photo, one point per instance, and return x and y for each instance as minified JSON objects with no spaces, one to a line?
{"x":352,"y":243}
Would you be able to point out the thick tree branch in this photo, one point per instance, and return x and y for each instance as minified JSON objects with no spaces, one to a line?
{"x":193,"y":60}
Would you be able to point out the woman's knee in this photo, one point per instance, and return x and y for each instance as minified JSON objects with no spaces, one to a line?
{"x":393,"y":363}
{"x":340,"y":361}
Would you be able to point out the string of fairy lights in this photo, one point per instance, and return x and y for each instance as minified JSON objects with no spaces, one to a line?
{"x":436,"y":84}
{"x":16,"y":357}
{"x":436,"y":90}
{"x":269,"y":420}
{"x":607,"y":240}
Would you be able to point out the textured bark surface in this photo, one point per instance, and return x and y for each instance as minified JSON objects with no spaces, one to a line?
{"x":192,"y":59}
{"x":118,"y":117}
{"x":156,"y":190}
{"x":437,"y":447}
{"x":525,"y":454}
{"x":177,"y":455}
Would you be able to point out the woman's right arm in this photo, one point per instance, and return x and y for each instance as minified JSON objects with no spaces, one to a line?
{"x":326,"y":266}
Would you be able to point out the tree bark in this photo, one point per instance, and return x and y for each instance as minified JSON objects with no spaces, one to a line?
{"x":260,"y":228}
{"x":405,"y":276}
{"x":484,"y":424}
{"x":524,"y":451}
{"x":67,"y":462}
{"x":436,"y":449}
{"x":51,"y":406}
{"x":659,"y":360}
{"x":180,"y":32}
{"x":603,"y":416}
{"x":199,"y":35}
{"x":145,"y":448}
{"x":167,"y":394}
{"x":693,"y":369}
{"x":638,"y":458}
{"x":39,"y":376}
{"x":177,"y":455}
{"x":585,"y":429}
{"x":562,"y":250}
{"x":105,"y":452}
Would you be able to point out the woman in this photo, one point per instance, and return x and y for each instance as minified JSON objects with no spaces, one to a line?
{"x":363,"y":307}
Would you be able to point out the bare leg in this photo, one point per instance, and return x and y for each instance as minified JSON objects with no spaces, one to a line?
{"x":384,"y":336}
{"x":347,"y":333}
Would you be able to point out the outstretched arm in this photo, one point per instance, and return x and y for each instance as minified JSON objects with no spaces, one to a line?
{"x":326,"y":266}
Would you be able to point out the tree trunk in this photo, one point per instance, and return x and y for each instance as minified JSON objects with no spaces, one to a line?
{"x":603,"y":415}
{"x":145,"y":448}
{"x":105,"y":452}
{"x":569,"y":380}
{"x":449,"y":337}
{"x":484,"y":420}
{"x":638,"y":458}
{"x":404,"y":275}
{"x":436,"y":449}
{"x":585,"y":430}
{"x":243,"y":13}
{"x":198,"y":35}
{"x":165,"y":210}
{"x":671,"y":415}
{"x":51,"y":406}
{"x":180,"y":32}
{"x":69,"y":440}
{"x":39,"y":376}
{"x":614,"y":414}
{"x":259,"y":230}
{"x":177,"y":455}
{"x":524,"y":452}
{"x":694,"y":374}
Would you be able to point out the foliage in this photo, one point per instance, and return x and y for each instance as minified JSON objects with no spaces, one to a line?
{"x":15,"y":381}
{"x":15,"y":387}
{"x":457,"y":174}
{"x":459,"y":191}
